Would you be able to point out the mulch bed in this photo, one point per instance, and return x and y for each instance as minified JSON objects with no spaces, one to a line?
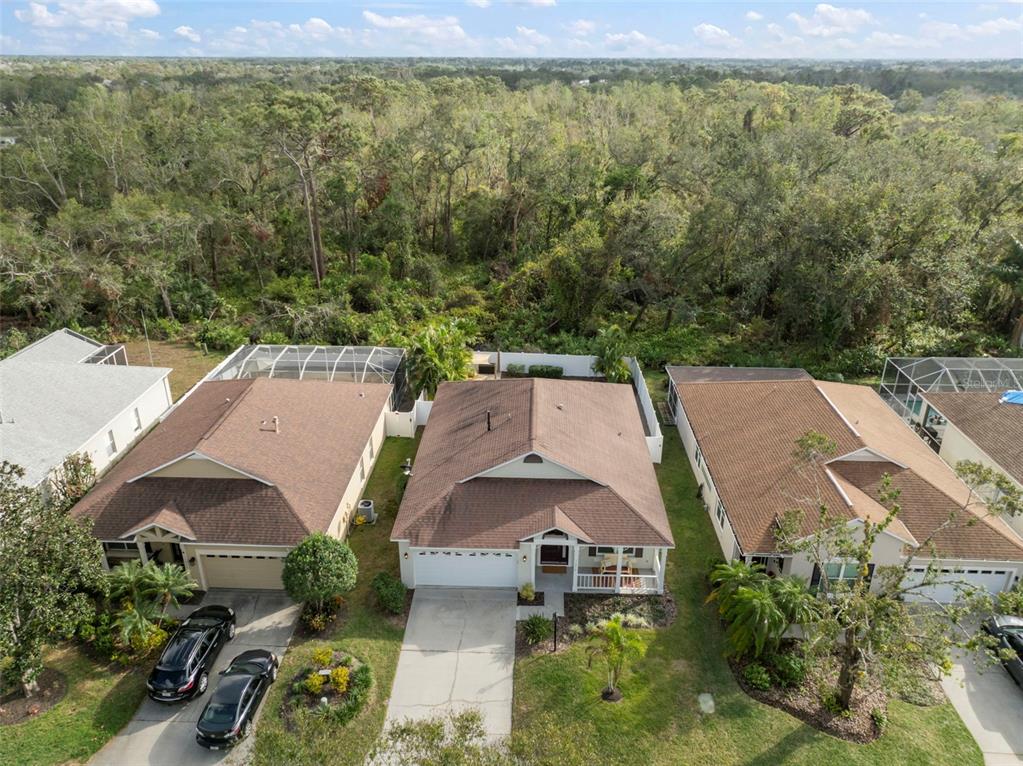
{"x":525,"y":649}
{"x":15,"y":708}
{"x":804,"y":702}
{"x":339,"y":614}
{"x":537,"y":600}
{"x":307,"y":702}
{"x":583,"y":608}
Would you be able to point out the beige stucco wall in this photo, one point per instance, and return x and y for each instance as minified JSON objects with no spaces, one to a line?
{"x":353,"y":493}
{"x":519,"y":469}
{"x":887,"y":551}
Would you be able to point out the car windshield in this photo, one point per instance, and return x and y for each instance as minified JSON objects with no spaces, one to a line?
{"x":219,"y":713}
{"x":245,"y":668}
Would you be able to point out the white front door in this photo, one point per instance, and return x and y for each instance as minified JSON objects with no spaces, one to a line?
{"x":991,"y":579}
{"x":464,"y":568}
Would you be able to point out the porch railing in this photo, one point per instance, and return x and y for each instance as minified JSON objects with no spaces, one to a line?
{"x":605,"y":583}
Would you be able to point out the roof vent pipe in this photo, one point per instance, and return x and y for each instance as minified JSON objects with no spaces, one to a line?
{"x":488,"y":421}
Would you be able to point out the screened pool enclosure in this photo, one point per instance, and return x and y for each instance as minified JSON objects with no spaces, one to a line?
{"x":905,"y":379}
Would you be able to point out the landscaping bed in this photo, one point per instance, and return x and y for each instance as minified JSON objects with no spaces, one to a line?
{"x":15,"y":708}
{"x":585,"y":608}
{"x":314,"y":622}
{"x":336,"y":686}
{"x":537,"y":599}
{"x":813,"y":702}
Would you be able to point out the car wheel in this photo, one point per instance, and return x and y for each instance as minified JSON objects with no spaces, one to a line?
{"x":246,"y":727}
{"x":204,"y":681}
{"x":230,"y":631}
{"x":273,"y":674}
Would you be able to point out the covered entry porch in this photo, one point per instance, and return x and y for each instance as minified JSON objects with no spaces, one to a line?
{"x":582,"y":567}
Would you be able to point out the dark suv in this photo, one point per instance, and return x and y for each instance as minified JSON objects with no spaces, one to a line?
{"x":183,"y":670}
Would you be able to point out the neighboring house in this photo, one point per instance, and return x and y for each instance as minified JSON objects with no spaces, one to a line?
{"x":740,"y":427}
{"x":67,"y":393}
{"x":238,"y":473}
{"x":981,"y":427}
{"x":520,"y":476}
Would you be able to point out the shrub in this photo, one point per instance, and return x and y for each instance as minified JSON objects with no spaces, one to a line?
{"x":313,"y":683}
{"x":318,"y":568}
{"x":390,"y":592}
{"x":515,"y":371}
{"x":220,"y":336}
{"x":631,"y":620}
{"x":832,"y":701}
{"x":339,"y":680}
{"x":323,"y":656}
{"x":880,"y":718}
{"x":315,"y":621}
{"x":575,"y":630}
{"x":537,"y":628}
{"x":527,"y":591}
{"x":274,"y":338}
{"x":362,"y":290}
{"x":546,"y":371}
{"x":788,"y":669}
{"x":756,"y":675}
{"x":359,"y":682}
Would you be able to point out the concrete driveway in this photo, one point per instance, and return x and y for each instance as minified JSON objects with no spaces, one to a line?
{"x":991,"y":705}
{"x":164,"y":735}
{"x":458,"y":653}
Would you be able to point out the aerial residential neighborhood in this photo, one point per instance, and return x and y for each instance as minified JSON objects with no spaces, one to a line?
{"x":511,"y":383}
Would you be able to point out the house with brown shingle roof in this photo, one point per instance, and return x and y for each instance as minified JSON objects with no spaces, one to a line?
{"x":238,"y":473}
{"x":518,"y":477}
{"x":740,"y":427}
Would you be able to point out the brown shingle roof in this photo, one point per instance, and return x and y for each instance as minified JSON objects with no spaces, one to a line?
{"x":592,"y":429}
{"x":323,"y":429}
{"x":995,"y":427}
{"x":747,"y":432}
{"x":734,"y":374}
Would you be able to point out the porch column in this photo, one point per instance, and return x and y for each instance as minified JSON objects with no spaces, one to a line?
{"x":662,"y":565}
{"x":141,"y":545}
{"x":618,"y":569}
{"x":575,"y":566}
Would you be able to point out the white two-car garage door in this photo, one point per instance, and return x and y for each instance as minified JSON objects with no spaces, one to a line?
{"x":225,"y":570}
{"x":465,"y":569}
{"x":949,"y":586}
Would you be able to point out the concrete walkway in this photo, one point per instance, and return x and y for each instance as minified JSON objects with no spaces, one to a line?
{"x":991,"y":705}
{"x":458,"y":654}
{"x":164,"y":735}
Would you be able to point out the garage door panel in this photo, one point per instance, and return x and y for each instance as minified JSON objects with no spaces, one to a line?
{"x":225,"y":570}
{"x":466,"y":569}
{"x":992,"y":579}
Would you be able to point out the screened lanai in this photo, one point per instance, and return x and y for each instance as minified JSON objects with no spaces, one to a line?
{"x":905,"y":378}
{"x":359,"y":364}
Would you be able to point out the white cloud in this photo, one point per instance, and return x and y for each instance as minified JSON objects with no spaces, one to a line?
{"x":993,"y":27}
{"x":532,"y":36}
{"x":418,"y":29}
{"x":779,"y":37}
{"x":635,"y":43}
{"x":478,"y":3}
{"x":716,"y":37}
{"x":753,"y":16}
{"x":103,"y":16}
{"x":942,"y":30}
{"x":188,"y":33}
{"x":536,"y":3}
{"x":894,"y":40}
{"x":830,"y":21}
{"x":581,"y":27}
{"x":150,"y":34}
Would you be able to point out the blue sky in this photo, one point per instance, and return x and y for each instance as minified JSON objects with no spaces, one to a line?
{"x":536,"y":28}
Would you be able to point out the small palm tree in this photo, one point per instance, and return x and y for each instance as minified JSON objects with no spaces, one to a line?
{"x":135,"y":621}
{"x":127,"y":581}
{"x":795,"y":601}
{"x":610,"y":350}
{"x":755,"y":622}
{"x":726,"y":579}
{"x":165,"y":584}
{"x":614,"y":643}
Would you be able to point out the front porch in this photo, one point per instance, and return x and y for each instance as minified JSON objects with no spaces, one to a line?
{"x":574,"y":566}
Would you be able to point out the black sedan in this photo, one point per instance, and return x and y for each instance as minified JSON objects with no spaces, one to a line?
{"x":1009,"y":632}
{"x":183,"y":670}
{"x":227,"y":717}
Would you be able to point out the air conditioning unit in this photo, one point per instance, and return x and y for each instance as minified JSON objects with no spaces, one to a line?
{"x":367,"y":511}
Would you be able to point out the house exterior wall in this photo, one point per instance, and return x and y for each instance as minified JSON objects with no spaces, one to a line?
{"x":887,"y":551}
{"x":151,"y":404}
{"x":196,"y":467}
{"x":370,"y":452}
{"x":519,"y":469}
{"x":708,"y":492}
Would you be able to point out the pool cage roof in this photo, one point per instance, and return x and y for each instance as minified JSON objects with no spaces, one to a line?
{"x":358,"y":364}
{"x":905,"y":378}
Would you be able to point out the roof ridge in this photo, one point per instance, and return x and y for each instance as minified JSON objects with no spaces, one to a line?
{"x":223,"y":416}
{"x":531,"y":436}
{"x":632,"y":508}
{"x":743,"y":382}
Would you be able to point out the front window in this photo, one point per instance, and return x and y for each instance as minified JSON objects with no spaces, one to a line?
{"x":720,"y":514}
{"x":111,"y":443}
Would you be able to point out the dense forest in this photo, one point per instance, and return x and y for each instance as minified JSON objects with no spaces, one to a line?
{"x":783,"y":213}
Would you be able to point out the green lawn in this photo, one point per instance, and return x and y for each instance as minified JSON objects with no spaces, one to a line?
{"x":659,"y":721}
{"x":100,"y":700}
{"x":366,"y":633}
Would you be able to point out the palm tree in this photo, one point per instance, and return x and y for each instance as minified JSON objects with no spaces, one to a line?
{"x":439,"y":352}
{"x":755,"y":622}
{"x":795,"y":601}
{"x":610,"y":350}
{"x":127,"y":581}
{"x":166,"y":584}
{"x":614,"y":643}
{"x":726,"y":579}
{"x":135,"y":622}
